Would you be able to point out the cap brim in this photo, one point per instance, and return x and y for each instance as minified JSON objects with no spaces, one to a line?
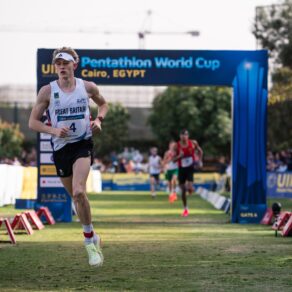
{"x":64,"y":56}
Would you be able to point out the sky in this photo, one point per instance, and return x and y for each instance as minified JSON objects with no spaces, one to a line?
{"x":28,"y":25}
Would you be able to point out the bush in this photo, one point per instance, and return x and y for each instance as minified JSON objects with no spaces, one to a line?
{"x":11,"y":140}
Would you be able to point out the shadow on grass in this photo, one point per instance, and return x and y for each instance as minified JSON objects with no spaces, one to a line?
{"x":142,"y":265}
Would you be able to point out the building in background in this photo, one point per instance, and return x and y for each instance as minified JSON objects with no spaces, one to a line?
{"x":16,"y":102}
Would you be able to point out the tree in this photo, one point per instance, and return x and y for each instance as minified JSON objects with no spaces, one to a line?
{"x":273,"y":30}
{"x":11,"y":140}
{"x":114,"y":130}
{"x":280,"y":111}
{"x":204,"y":111}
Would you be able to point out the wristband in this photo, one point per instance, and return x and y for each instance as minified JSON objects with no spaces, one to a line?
{"x":100,"y":118}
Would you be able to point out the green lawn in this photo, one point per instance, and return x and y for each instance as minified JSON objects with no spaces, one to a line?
{"x":148,"y":246}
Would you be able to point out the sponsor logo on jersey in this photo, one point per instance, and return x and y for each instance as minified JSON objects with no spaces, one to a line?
{"x":81,"y":100}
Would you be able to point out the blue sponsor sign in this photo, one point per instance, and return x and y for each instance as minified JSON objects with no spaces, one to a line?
{"x":58,"y":202}
{"x":251,"y":213}
{"x":279,"y":184}
{"x":245,"y":71}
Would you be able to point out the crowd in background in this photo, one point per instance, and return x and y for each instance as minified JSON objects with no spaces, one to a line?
{"x":27,"y":158}
{"x":279,"y":161}
{"x":131,"y":160}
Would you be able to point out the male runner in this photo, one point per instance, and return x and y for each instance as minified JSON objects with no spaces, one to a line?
{"x":185,"y":156}
{"x":154,"y":165}
{"x":171,"y":168}
{"x":66,"y":102}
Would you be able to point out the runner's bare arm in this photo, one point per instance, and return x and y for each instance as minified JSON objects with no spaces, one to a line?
{"x":198,"y":148}
{"x":161,"y":164}
{"x":178,"y":155}
{"x":42,"y":103}
{"x":165,"y":159}
{"x":99,"y":100}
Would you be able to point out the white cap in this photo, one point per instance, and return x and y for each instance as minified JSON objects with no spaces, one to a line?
{"x":64,"y":56}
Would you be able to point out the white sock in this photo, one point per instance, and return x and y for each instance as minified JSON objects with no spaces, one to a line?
{"x":87,"y":228}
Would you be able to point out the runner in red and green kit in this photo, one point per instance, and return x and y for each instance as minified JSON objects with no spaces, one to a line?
{"x":171,"y":170}
{"x":187,"y":151}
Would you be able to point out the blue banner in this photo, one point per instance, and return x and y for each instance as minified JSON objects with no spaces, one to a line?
{"x":279,"y":184}
{"x":149,"y":67}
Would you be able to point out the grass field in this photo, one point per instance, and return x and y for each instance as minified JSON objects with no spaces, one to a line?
{"x":149,"y":247}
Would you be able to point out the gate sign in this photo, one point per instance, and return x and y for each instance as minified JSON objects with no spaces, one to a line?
{"x":245,"y":71}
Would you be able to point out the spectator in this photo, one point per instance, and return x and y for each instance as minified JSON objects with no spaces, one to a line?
{"x":222,"y":165}
{"x":228,"y":172}
{"x":97,"y":165}
{"x":126,"y":154}
{"x":122,"y":165}
{"x":271,"y":166}
{"x":137,"y":160}
{"x":282,"y":166}
{"x":114,"y":158}
{"x":289,"y":160}
{"x":16,"y":161}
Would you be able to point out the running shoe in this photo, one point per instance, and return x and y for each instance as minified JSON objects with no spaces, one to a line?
{"x":98,"y":245}
{"x":95,"y":256}
{"x":172,"y":197}
{"x":185,"y":213}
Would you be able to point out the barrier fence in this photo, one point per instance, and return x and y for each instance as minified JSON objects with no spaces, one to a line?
{"x":18,"y":182}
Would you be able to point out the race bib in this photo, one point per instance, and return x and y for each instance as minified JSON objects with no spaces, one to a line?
{"x":187,"y":161}
{"x":76,"y":125}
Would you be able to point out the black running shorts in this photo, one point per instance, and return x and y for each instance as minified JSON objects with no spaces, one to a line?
{"x":185,"y":174}
{"x":67,"y":155}
{"x":155,"y":176}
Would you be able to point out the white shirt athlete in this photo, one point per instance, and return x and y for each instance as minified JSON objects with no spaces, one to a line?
{"x":66,"y":103}
{"x":69,"y":109}
{"x":154,"y":164}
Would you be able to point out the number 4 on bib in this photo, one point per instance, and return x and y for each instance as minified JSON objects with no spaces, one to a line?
{"x":72,"y":127}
